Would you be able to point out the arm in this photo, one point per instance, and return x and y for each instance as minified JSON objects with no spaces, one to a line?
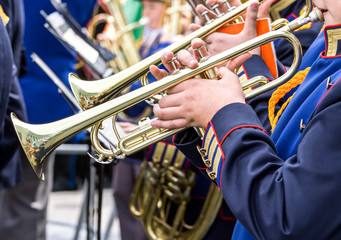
{"x":274,"y":199}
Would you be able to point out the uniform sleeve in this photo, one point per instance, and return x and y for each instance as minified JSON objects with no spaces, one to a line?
{"x":6,"y":70}
{"x":276,"y":199}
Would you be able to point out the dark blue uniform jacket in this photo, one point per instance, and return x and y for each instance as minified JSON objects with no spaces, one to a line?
{"x":11,"y":97}
{"x":285,"y":186}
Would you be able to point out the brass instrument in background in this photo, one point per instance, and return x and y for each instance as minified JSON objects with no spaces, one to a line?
{"x":178,"y":17}
{"x":38,"y":140}
{"x":162,"y":195}
{"x":123,"y":44}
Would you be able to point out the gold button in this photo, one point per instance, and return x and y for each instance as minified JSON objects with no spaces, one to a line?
{"x":207,"y":163}
{"x":212,"y":175}
{"x":202,"y":151}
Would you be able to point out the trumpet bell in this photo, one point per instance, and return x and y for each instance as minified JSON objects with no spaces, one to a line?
{"x":35,"y":145}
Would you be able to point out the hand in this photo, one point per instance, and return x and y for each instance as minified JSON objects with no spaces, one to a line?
{"x":218,"y":42}
{"x":194,"y":102}
{"x":263,"y":12}
{"x":201,"y":8}
{"x":184,"y":59}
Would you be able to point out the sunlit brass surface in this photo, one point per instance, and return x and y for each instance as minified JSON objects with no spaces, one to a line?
{"x":39,"y":140}
{"x":161,"y":187}
{"x":93,"y":93}
{"x":123,"y":46}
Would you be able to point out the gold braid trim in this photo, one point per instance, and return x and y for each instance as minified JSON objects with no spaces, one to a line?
{"x":280,"y":93}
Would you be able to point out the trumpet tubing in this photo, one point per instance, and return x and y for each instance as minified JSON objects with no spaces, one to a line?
{"x":93,"y":93}
{"x":40,"y":140}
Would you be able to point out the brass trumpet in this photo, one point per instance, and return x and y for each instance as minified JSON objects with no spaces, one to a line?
{"x":93,"y":93}
{"x":41,"y":139}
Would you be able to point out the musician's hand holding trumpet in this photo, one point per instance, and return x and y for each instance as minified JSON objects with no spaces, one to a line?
{"x":217,"y":41}
{"x":195,"y":101}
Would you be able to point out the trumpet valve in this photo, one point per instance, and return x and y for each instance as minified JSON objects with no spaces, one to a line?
{"x":215,"y":8}
{"x":228,"y":5}
{"x":207,"y":18}
{"x":203,"y":57}
{"x":175,"y":68}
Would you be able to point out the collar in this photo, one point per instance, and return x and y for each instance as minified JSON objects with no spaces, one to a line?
{"x":333,"y":41}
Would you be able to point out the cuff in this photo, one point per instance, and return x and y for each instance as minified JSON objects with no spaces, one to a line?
{"x":188,"y":142}
{"x":225,"y":121}
{"x":256,"y":66}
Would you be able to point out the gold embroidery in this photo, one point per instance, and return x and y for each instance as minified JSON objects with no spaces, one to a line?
{"x":212,"y":175}
{"x":169,"y":152}
{"x":180,"y":158}
{"x":3,"y":15}
{"x":216,"y":160}
{"x":212,"y":149}
{"x":208,"y":138}
{"x":333,"y":36}
{"x":158,"y":152}
{"x":278,"y":7}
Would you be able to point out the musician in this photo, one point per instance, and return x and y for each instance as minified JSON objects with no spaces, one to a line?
{"x":23,"y":211}
{"x":252,"y":66}
{"x":266,"y":178}
{"x":11,"y":97}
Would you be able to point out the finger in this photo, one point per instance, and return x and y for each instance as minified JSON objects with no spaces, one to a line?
{"x":193,"y":27}
{"x":264,"y":9}
{"x":200,"y":50}
{"x":221,"y":7}
{"x":237,"y":62}
{"x":171,"y":100}
{"x":198,"y":21}
{"x":169,"y":113}
{"x":185,"y":58}
{"x":251,"y":19}
{"x":166,"y":58}
{"x":171,"y":124}
{"x":235,"y":3}
{"x":158,"y":73}
{"x":202,"y":9}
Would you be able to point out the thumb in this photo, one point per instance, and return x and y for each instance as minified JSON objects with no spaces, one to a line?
{"x":234,"y":64}
{"x":264,"y":9}
{"x":251,"y":19}
{"x":193,"y":27}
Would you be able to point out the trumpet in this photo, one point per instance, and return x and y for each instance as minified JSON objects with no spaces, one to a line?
{"x":93,"y":93}
{"x":38,"y":140}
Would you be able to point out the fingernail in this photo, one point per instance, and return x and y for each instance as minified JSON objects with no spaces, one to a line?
{"x":254,"y":6}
